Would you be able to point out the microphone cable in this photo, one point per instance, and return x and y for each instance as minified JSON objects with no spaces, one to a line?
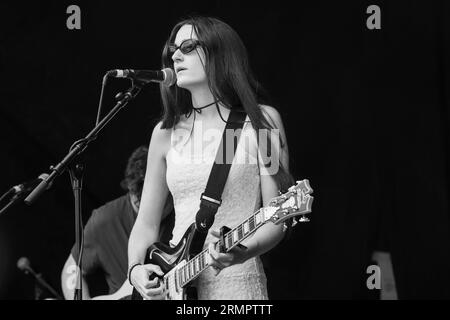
{"x":100,"y":103}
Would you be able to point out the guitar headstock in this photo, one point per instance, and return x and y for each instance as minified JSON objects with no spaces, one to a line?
{"x":296,"y":202}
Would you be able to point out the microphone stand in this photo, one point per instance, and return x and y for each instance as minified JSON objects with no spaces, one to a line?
{"x":76,"y":176}
{"x":42,"y":284}
{"x":16,"y":198}
{"x":78,"y":148}
{"x":12,"y":201}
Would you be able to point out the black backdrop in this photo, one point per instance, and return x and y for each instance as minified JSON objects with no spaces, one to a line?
{"x":366,"y":114}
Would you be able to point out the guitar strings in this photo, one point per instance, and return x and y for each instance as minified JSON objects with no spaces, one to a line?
{"x":190,"y":265}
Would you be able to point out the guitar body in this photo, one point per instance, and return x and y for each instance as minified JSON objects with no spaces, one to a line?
{"x":168,"y":258}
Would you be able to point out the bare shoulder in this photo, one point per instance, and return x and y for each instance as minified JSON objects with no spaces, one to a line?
{"x":160,"y":138}
{"x":159,"y":133}
{"x":274,"y":118}
{"x":272,"y":115}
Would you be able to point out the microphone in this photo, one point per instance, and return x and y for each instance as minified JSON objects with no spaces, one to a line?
{"x":165,"y":76}
{"x":29,"y":185}
{"x":24,"y":264}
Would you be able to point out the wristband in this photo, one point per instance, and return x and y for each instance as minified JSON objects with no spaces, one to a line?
{"x":131,"y":269}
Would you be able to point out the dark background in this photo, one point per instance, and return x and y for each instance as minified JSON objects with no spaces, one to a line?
{"x":366,"y":115}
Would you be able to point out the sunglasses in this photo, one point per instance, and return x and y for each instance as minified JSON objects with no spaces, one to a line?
{"x":185,"y":47}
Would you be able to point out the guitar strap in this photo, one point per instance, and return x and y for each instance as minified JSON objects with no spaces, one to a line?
{"x":210,"y":200}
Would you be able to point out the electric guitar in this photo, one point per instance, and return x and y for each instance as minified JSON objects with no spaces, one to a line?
{"x":180,"y":267}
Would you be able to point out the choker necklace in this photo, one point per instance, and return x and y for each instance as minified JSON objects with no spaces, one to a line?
{"x":199,"y":110}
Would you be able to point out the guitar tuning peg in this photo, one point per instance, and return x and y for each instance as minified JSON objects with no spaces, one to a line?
{"x":285,"y":227}
{"x":303,"y":219}
{"x":294,"y":222}
{"x":279,"y":192}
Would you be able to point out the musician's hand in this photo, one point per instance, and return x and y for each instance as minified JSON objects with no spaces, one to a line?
{"x":149,"y":290}
{"x":219,"y":260}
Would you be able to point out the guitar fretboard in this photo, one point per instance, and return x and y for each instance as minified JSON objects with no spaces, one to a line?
{"x":232,"y":238}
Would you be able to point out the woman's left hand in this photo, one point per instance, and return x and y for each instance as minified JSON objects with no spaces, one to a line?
{"x":219,"y":260}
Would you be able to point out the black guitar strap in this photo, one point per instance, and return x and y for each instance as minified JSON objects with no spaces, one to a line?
{"x":210,"y":199}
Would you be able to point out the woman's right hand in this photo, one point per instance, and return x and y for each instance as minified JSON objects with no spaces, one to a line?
{"x":148,"y":289}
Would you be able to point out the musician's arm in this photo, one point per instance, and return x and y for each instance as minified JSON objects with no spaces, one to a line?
{"x":269,"y":235}
{"x":154,"y":194}
{"x":68,"y":280}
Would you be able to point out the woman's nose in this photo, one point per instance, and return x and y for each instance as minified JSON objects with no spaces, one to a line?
{"x":177,"y":56}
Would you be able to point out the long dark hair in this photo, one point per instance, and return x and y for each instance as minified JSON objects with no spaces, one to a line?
{"x":229,"y":78}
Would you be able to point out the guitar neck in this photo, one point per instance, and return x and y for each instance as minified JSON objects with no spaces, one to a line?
{"x":199,"y":263}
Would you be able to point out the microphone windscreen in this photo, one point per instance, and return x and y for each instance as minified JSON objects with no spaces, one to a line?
{"x":23,"y":263}
{"x":170,"y":77}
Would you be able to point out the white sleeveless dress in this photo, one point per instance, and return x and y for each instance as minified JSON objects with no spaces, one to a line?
{"x":188,"y":168}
